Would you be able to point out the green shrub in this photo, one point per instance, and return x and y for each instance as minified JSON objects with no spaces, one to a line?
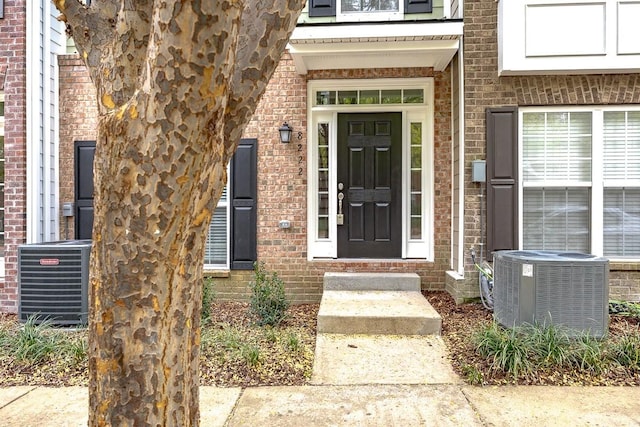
{"x":624,"y":308}
{"x":268,"y":303}
{"x":508,"y":350}
{"x":208,"y":295}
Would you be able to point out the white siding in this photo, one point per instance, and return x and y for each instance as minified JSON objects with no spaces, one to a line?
{"x":45,"y":39}
{"x":568,"y":36}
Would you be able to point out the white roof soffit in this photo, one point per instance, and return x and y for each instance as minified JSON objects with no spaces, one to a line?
{"x":392,"y":45}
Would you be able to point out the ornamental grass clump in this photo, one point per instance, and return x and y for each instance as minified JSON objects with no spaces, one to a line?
{"x":268,"y":303}
{"x":508,"y":350}
{"x":626,"y":351}
{"x":550,"y":344}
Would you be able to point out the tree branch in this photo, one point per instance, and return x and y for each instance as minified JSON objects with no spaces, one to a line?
{"x":111,"y":37}
{"x":266,"y":26}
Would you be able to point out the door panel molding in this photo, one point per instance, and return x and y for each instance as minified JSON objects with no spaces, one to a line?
{"x":373,"y":224}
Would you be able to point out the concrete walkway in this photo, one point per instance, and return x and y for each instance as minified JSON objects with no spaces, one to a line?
{"x":361,"y":405}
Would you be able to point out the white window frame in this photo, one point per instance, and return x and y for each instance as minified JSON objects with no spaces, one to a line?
{"x":369,"y":16}
{"x":597,"y":181}
{"x":224,"y":204}
{"x":411,"y":113}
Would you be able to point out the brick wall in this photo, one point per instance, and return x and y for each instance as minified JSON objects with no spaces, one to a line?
{"x":13,"y":85}
{"x":484,"y":89}
{"x":282,"y":185}
{"x":78,"y":122}
{"x":282,"y":177}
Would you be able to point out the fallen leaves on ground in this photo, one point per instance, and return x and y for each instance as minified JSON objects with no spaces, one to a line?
{"x":236,"y":352}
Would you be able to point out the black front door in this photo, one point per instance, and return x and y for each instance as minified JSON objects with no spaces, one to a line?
{"x":370,"y":175}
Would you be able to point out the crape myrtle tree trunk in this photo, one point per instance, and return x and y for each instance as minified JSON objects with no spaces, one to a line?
{"x":176,"y":83}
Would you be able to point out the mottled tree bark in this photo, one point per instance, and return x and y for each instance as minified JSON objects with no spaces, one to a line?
{"x":176,"y":83}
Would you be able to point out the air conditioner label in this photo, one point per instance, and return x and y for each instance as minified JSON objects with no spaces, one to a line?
{"x":49,"y":261}
{"x":527,"y":270}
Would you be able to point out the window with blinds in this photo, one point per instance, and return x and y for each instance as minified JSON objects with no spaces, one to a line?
{"x":556,"y":160}
{"x":556,"y":219}
{"x":216,"y":252}
{"x":621,"y":181}
{"x":581,"y":181}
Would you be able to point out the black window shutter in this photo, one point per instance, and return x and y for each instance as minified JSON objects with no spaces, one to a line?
{"x":84,"y":152}
{"x":418,"y":6}
{"x":244,"y":206}
{"x":322,"y":7}
{"x":502,"y":179}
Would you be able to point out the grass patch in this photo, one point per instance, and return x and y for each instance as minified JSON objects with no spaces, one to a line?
{"x":235,"y":352}
{"x":250,"y":355}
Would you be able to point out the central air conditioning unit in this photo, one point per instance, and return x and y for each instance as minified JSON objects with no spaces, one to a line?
{"x":53,"y":281}
{"x":567,"y":289}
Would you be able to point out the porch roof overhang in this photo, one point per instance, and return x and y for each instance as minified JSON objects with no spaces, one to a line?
{"x":375,"y":45}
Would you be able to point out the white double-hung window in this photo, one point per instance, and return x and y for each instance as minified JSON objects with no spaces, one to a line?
{"x":216,"y":252}
{"x":370,"y":10}
{"x":580,"y":186}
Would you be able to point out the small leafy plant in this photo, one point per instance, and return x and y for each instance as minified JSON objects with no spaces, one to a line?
{"x":268,"y":303}
{"x":624,"y":308}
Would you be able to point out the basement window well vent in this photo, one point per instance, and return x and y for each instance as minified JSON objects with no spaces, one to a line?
{"x":567,"y":289}
{"x":53,"y":282}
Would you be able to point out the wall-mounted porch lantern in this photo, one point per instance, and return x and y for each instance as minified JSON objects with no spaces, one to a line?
{"x":285,"y":133}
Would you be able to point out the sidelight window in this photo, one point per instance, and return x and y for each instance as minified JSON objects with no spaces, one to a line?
{"x":323,"y":181}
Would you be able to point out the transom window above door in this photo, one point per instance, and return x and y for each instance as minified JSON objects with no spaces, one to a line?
{"x":369,"y":97}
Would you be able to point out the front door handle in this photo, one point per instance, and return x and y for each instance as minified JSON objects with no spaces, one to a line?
{"x":340,"y":216}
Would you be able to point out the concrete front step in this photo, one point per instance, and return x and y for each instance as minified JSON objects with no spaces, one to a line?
{"x":371,"y":282}
{"x":377,"y":312}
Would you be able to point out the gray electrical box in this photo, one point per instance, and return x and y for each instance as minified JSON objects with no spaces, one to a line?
{"x":67,"y":209}
{"x":479,"y":171}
